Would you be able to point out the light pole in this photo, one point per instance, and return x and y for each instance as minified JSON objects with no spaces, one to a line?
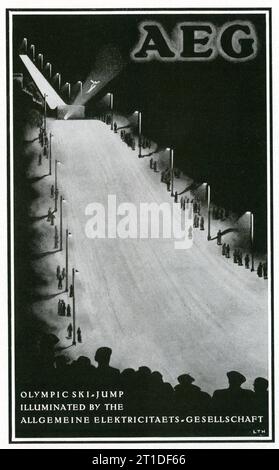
{"x":68,"y":234}
{"x":139,"y":130}
{"x":32,"y":50}
{"x":50,"y":156}
{"x":252,"y":240}
{"x":80,"y":87}
{"x":61,"y":222}
{"x":68,"y":85}
{"x":25,"y":44}
{"x":171,"y":169}
{"x":208,"y":211}
{"x":49,"y":67}
{"x":41,"y":60}
{"x":45,"y":112}
{"x":74,"y":271}
{"x":111,"y":109}
{"x":57,"y":162}
{"x":58,"y":76}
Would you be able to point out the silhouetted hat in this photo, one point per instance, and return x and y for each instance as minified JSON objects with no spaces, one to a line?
{"x":236,"y":376}
{"x":185,"y":379}
{"x":261,"y":383}
{"x":103,"y":353}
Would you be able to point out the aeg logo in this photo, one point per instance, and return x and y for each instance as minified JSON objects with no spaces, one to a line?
{"x":235,"y":41}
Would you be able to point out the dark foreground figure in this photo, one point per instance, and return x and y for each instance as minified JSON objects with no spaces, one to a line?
{"x":155,"y":407}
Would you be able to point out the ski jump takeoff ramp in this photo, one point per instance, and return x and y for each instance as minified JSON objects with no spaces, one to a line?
{"x":54,"y":101}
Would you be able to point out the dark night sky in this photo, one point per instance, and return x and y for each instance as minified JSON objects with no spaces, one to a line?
{"x":212,"y":113}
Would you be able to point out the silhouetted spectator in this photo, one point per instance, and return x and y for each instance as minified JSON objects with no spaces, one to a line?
{"x":240,"y":256}
{"x":233,"y":399}
{"x":202,"y":223}
{"x":70,"y":330}
{"x":189,"y":397}
{"x":175,"y":197}
{"x":59,"y":307}
{"x":82,"y":371}
{"x":260,"y":270}
{"x":71,"y":291}
{"x":49,"y":213}
{"x":228,"y":251}
{"x":247,"y":261}
{"x":105,"y":373}
{"x":160,"y":394}
{"x":60,"y":279}
{"x":155,"y":166}
{"x":56,"y":237}
{"x":224,"y":249}
{"x":79,"y":338}
{"x":151,"y":163}
{"x":68,"y":310}
{"x":58,"y":272}
{"x":261,"y":396}
{"x":127,"y":378}
{"x":219,"y":237}
{"x":265,"y":270}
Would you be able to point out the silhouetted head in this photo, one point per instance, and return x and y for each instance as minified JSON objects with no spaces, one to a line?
{"x":235,"y":378}
{"x":83,"y":362}
{"x":260,"y":385}
{"x":185,"y":379}
{"x":128,"y":372}
{"x":144,"y":371}
{"x":102,"y":356}
{"x":128,"y":376}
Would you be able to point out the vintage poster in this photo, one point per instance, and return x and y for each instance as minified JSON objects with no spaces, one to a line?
{"x":140,"y":224}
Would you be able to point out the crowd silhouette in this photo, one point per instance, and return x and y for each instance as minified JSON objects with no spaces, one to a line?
{"x":146,"y":393}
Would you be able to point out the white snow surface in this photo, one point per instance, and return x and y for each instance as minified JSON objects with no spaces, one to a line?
{"x":176,"y":311}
